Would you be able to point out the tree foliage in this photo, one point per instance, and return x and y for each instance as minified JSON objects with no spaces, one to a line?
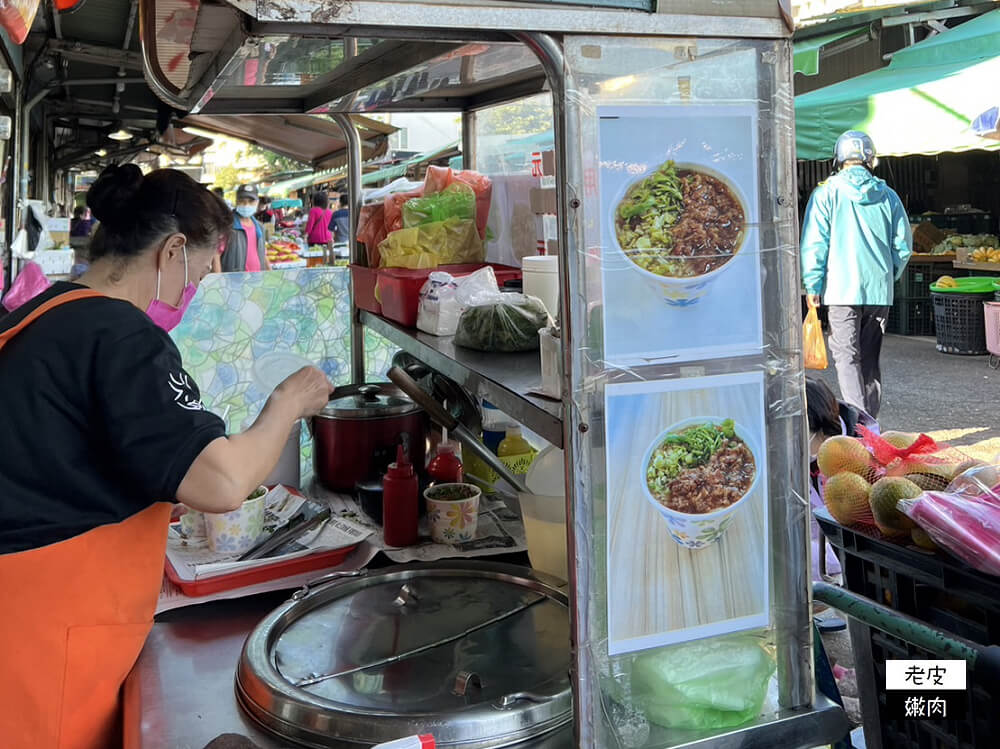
{"x":517,"y":119}
{"x":275,"y":162}
{"x":227,"y":177}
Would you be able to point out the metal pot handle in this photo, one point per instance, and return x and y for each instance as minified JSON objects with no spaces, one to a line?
{"x":434,"y":409}
{"x":310,"y":586}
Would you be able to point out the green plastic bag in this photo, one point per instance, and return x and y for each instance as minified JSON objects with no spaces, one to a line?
{"x":704,"y":685}
{"x":457,"y":200}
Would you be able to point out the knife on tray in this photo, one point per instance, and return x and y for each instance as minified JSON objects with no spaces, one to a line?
{"x":295,"y":528}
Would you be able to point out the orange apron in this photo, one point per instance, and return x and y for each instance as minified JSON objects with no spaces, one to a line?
{"x":76,"y":614}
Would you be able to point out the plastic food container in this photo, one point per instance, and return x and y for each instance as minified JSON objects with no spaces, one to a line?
{"x":544,"y":513}
{"x":399,"y":288}
{"x":541,"y":279}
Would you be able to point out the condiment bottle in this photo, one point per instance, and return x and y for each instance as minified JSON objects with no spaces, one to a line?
{"x":445,"y":467}
{"x":513,"y":444}
{"x":399,"y":502}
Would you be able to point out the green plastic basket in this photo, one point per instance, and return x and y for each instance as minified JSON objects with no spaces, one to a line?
{"x":970,"y":285}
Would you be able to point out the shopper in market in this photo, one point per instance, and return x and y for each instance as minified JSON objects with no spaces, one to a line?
{"x":82,"y":223}
{"x":340,"y":222}
{"x":856,"y":241}
{"x":106,"y":429}
{"x":246,"y":246}
{"x":318,"y":226}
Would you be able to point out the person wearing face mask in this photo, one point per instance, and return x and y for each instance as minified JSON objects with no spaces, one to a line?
{"x":106,"y":430}
{"x":246,"y":246}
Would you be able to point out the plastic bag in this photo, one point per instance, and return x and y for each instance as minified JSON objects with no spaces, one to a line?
{"x":902,"y":454}
{"x":440,"y":299}
{"x":30,"y":282}
{"x":393,"y":209}
{"x":438,"y":311}
{"x":371,"y":231}
{"x":502,"y":322}
{"x":448,"y":242}
{"x":439,"y":177}
{"x":708,"y":684}
{"x":455,"y":201}
{"x":813,"y":345}
{"x":968,"y":527}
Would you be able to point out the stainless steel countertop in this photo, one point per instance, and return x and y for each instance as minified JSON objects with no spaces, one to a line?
{"x":181,"y":695}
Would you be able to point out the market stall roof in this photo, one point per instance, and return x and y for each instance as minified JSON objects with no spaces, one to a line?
{"x":314,"y":140}
{"x":808,"y":52}
{"x":924,"y":102}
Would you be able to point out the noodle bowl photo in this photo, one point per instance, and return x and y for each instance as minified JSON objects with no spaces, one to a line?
{"x":696,"y":474}
{"x":679,"y":226}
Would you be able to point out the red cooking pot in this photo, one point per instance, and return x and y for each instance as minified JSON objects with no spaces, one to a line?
{"x":355,"y":436}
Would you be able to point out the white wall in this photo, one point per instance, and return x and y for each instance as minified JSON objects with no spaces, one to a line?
{"x":424,"y":131}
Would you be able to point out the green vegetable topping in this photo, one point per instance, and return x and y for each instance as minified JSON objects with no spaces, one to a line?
{"x":687,"y":449}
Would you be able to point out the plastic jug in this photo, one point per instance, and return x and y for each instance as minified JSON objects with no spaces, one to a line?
{"x":544,"y":513}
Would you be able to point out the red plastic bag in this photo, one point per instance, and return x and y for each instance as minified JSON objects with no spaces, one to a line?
{"x":31,"y":282}
{"x":371,"y":230}
{"x":394,"y":209}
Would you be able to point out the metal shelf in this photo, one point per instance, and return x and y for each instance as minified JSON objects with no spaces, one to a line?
{"x":502,"y":379}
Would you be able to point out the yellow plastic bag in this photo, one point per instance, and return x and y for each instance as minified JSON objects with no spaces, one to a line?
{"x":813,"y":345}
{"x":447,"y":242}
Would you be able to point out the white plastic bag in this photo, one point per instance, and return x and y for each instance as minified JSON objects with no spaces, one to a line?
{"x":438,"y":311}
{"x":443,"y":298}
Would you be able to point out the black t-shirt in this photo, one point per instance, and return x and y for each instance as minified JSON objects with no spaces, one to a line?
{"x":100,"y":418}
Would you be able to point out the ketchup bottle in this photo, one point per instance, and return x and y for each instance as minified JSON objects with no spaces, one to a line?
{"x":399,"y":502}
{"x":445,"y":467}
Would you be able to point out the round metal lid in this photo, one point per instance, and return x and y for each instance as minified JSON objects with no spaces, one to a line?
{"x":371,"y":401}
{"x":477,"y":654}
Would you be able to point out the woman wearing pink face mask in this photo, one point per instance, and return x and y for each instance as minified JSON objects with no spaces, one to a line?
{"x":106,"y":430}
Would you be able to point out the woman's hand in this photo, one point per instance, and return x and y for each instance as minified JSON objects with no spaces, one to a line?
{"x":308,"y":388}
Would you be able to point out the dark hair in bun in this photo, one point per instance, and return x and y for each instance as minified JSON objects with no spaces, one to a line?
{"x":137,"y":211}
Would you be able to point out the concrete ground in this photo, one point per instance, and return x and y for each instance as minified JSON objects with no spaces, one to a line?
{"x":949,"y":397}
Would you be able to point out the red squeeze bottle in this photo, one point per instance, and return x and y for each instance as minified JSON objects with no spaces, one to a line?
{"x":445,"y":467}
{"x":399,"y":502}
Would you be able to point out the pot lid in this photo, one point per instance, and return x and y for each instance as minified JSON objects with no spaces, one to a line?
{"x":477,"y":654}
{"x":371,"y":401}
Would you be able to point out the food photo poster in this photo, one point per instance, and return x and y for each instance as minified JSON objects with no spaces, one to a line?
{"x":680,"y":260}
{"x":687,"y":530}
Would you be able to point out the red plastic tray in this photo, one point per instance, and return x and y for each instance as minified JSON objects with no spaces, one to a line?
{"x":363,"y":282}
{"x":399,"y":288}
{"x":245,"y":578}
{"x":262,"y":574}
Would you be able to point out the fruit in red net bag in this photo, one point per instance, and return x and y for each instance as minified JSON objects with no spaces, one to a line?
{"x":931,"y":480}
{"x":885,"y":493}
{"x":902,"y":440}
{"x":846,"y":497}
{"x":842,"y":453}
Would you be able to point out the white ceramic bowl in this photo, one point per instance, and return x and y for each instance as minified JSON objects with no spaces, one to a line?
{"x":193,"y":524}
{"x":679,"y":291}
{"x":235,"y":532}
{"x":452,"y":521}
{"x":696,"y":531}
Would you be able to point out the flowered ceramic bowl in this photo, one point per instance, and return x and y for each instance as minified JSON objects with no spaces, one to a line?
{"x":193,"y":524}
{"x":235,"y":532}
{"x":452,"y":512}
{"x":697,"y":531}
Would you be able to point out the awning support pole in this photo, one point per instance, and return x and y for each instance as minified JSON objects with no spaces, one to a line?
{"x":355,"y":197}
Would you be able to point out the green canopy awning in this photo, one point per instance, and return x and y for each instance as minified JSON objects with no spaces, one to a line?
{"x":806,"y":53}
{"x":924,"y":102}
{"x":398,"y":170}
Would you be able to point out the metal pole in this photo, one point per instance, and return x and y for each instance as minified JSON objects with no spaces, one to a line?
{"x":355,"y":197}
{"x":468,"y":140}
{"x":575,"y":416}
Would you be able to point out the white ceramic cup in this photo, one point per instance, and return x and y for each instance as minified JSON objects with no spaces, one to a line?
{"x":452,"y":521}
{"x":697,"y":531}
{"x":235,"y":532}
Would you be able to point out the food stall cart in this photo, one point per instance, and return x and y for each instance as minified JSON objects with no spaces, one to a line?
{"x":670,"y":110}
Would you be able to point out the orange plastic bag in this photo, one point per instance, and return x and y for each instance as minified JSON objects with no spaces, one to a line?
{"x":813,"y":345}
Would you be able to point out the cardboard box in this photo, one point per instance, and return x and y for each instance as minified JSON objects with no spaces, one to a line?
{"x":543,"y":200}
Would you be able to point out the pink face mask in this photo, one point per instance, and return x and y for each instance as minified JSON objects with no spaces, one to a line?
{"x":165,"y":315}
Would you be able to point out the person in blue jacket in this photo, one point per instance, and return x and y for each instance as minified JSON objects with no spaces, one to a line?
{"x":856,"y":241}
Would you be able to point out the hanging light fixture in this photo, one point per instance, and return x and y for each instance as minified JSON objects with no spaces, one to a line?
{"x":120,"y":134}
{"x":102,"y":152}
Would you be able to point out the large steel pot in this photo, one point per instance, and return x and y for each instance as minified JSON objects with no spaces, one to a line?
{"x":356,"y":435}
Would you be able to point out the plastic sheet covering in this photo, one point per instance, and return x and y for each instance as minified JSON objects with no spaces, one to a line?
{"x":690,"y":510}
